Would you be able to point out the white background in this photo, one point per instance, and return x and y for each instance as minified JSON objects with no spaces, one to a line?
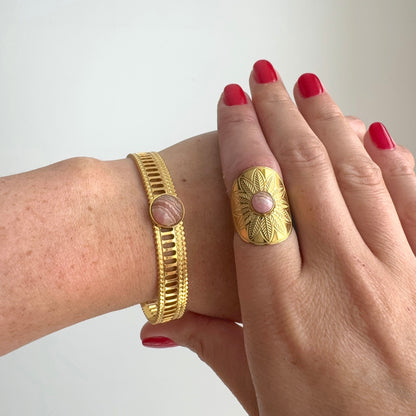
{"x":103,"y":78}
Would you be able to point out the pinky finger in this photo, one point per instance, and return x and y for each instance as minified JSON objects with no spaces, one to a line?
{"x":397,"y":164}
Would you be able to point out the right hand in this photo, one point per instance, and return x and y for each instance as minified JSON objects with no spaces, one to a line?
{"x":195,"y":167}
{"x":328,"y":314}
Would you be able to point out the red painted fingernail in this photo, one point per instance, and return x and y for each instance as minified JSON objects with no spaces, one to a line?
{"x":310,"y":85}
{"x":234,"y":95}
{"x":264,"y":72}
{"x":158,"y":342}
{"x":381,"y":137}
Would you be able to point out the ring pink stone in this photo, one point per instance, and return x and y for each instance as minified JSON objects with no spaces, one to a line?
{"x":262,"y":202}
{"x":167,"y":210}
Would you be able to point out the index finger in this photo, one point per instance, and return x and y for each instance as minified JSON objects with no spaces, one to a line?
{"x":241,"y":140}
{"x":264,"y":272}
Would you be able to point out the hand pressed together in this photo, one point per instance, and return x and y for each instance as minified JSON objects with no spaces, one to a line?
{"x":328,"y":314}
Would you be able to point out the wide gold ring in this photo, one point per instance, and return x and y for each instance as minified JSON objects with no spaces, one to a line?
{"x":260,"y":207}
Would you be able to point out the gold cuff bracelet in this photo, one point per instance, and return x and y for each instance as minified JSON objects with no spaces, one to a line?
{"x":169,"y":239}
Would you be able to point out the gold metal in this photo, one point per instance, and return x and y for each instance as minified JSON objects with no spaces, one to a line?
{"x":169,"y":242}
{"x":253,"y":227}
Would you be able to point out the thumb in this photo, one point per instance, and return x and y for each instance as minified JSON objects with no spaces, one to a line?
{"x":217,"y":342}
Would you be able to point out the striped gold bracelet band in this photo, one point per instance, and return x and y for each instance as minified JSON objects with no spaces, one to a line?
{"x":166,"y":212}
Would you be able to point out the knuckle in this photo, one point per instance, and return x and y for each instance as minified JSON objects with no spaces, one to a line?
{"x":240,"y":164}
{"x":273,"y":97}
{"x":310,"y":151}
{"x":272,"y":102}
{"x":330,"y":113}
{"x":239,"y":118}
{"x":354,"y":119}
{"x":361,"y":171}
{"x":271,"y":109}
{"x":403,"y":164}
{"x":357,"y":125}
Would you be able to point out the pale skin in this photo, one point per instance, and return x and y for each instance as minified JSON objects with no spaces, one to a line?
{"x":328,"y":314}
{"x":76,"y":241}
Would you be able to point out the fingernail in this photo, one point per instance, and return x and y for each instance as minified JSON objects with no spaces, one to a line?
{"x":381,"y":137}
{"x":234,"y":95}
{"x":264,"y":72}
{"x":310,"y":85}
{"x":158,"y":342}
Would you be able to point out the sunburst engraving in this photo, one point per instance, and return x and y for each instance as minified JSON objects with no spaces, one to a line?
{"x":273,"y":223}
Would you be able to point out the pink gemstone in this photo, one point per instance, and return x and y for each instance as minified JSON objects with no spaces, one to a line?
{"x":167,"y":210}
{"x":262,"y":202}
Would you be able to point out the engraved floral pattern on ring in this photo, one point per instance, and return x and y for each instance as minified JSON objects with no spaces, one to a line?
{"x":256,"y":227}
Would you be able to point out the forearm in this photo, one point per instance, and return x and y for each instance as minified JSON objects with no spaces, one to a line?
{"x":76,"y":241}
{"x":68,"y":250}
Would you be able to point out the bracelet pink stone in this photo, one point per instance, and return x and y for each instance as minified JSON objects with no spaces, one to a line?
{"x":167,"y":210}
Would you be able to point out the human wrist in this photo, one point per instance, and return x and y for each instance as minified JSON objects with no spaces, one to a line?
{"x":69,"y":250}
{"x":79,"y":241}
{"x":195,"y":170}
{"x":194,"y":165}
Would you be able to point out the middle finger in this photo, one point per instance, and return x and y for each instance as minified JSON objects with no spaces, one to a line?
{"x":316,"y":201}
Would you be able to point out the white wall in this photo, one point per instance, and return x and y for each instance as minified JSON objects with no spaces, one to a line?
{"x":103,"y":78}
